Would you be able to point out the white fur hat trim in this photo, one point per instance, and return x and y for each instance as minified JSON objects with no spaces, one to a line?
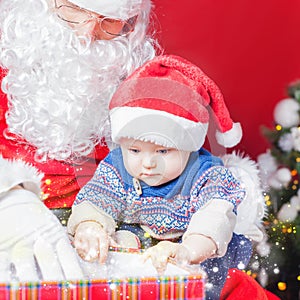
{"x":158,"y":127}
{"x":119,"y":9}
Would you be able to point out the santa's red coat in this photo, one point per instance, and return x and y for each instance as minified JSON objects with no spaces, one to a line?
{"x":239,"y":285}
{"x":61,"y":180}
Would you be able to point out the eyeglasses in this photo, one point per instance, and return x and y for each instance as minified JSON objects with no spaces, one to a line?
{"x":77,"y":15}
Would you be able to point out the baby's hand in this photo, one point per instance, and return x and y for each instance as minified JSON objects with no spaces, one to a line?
{"x":163,"y":252}
{"x":91,"y":241}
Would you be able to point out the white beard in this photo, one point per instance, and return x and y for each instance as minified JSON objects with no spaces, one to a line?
{"x":59,"y":85}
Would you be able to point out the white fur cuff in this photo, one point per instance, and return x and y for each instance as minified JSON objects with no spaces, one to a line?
{"x":14,"y":172}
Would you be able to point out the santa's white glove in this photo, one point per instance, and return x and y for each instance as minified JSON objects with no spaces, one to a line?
{"x":33,"y":243}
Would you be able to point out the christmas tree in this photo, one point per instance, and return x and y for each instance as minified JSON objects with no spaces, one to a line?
{"x":276,"y":261}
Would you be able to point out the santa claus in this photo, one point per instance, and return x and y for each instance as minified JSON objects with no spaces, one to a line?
{"x":61,"y":61}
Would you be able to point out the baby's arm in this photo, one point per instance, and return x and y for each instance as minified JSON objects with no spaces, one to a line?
{"x":211,"y":227}
{"x":207,"y":235}
{"x":92,"y":230}
{"x":200,"y":248}
{"x":96,"y":207}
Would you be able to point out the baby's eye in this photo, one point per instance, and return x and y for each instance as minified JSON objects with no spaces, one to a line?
{"x":133,"y":150}
{"x":162,"y":151}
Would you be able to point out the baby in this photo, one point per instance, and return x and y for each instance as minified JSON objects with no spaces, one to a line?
{"x":173,"y":196}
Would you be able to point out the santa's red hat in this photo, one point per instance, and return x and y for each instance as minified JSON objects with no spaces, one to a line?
{"x":167,"y":102}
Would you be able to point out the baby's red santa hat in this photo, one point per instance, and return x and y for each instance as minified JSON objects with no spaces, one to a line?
{"x":167,"y":102}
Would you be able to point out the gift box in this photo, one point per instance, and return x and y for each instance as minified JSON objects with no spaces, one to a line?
{"x":123,"y":277}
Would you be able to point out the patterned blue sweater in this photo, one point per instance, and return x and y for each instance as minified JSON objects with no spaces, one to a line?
{"x":165,"y":209}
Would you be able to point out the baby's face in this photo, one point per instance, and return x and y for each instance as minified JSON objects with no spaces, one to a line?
{"x":151,"y":163}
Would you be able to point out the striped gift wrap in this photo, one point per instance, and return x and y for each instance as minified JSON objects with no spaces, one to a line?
{"x":171,"y":287}
{"x":148,"y":288}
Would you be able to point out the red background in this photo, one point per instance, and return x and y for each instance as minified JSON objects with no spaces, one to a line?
{"x":250,"y":48}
